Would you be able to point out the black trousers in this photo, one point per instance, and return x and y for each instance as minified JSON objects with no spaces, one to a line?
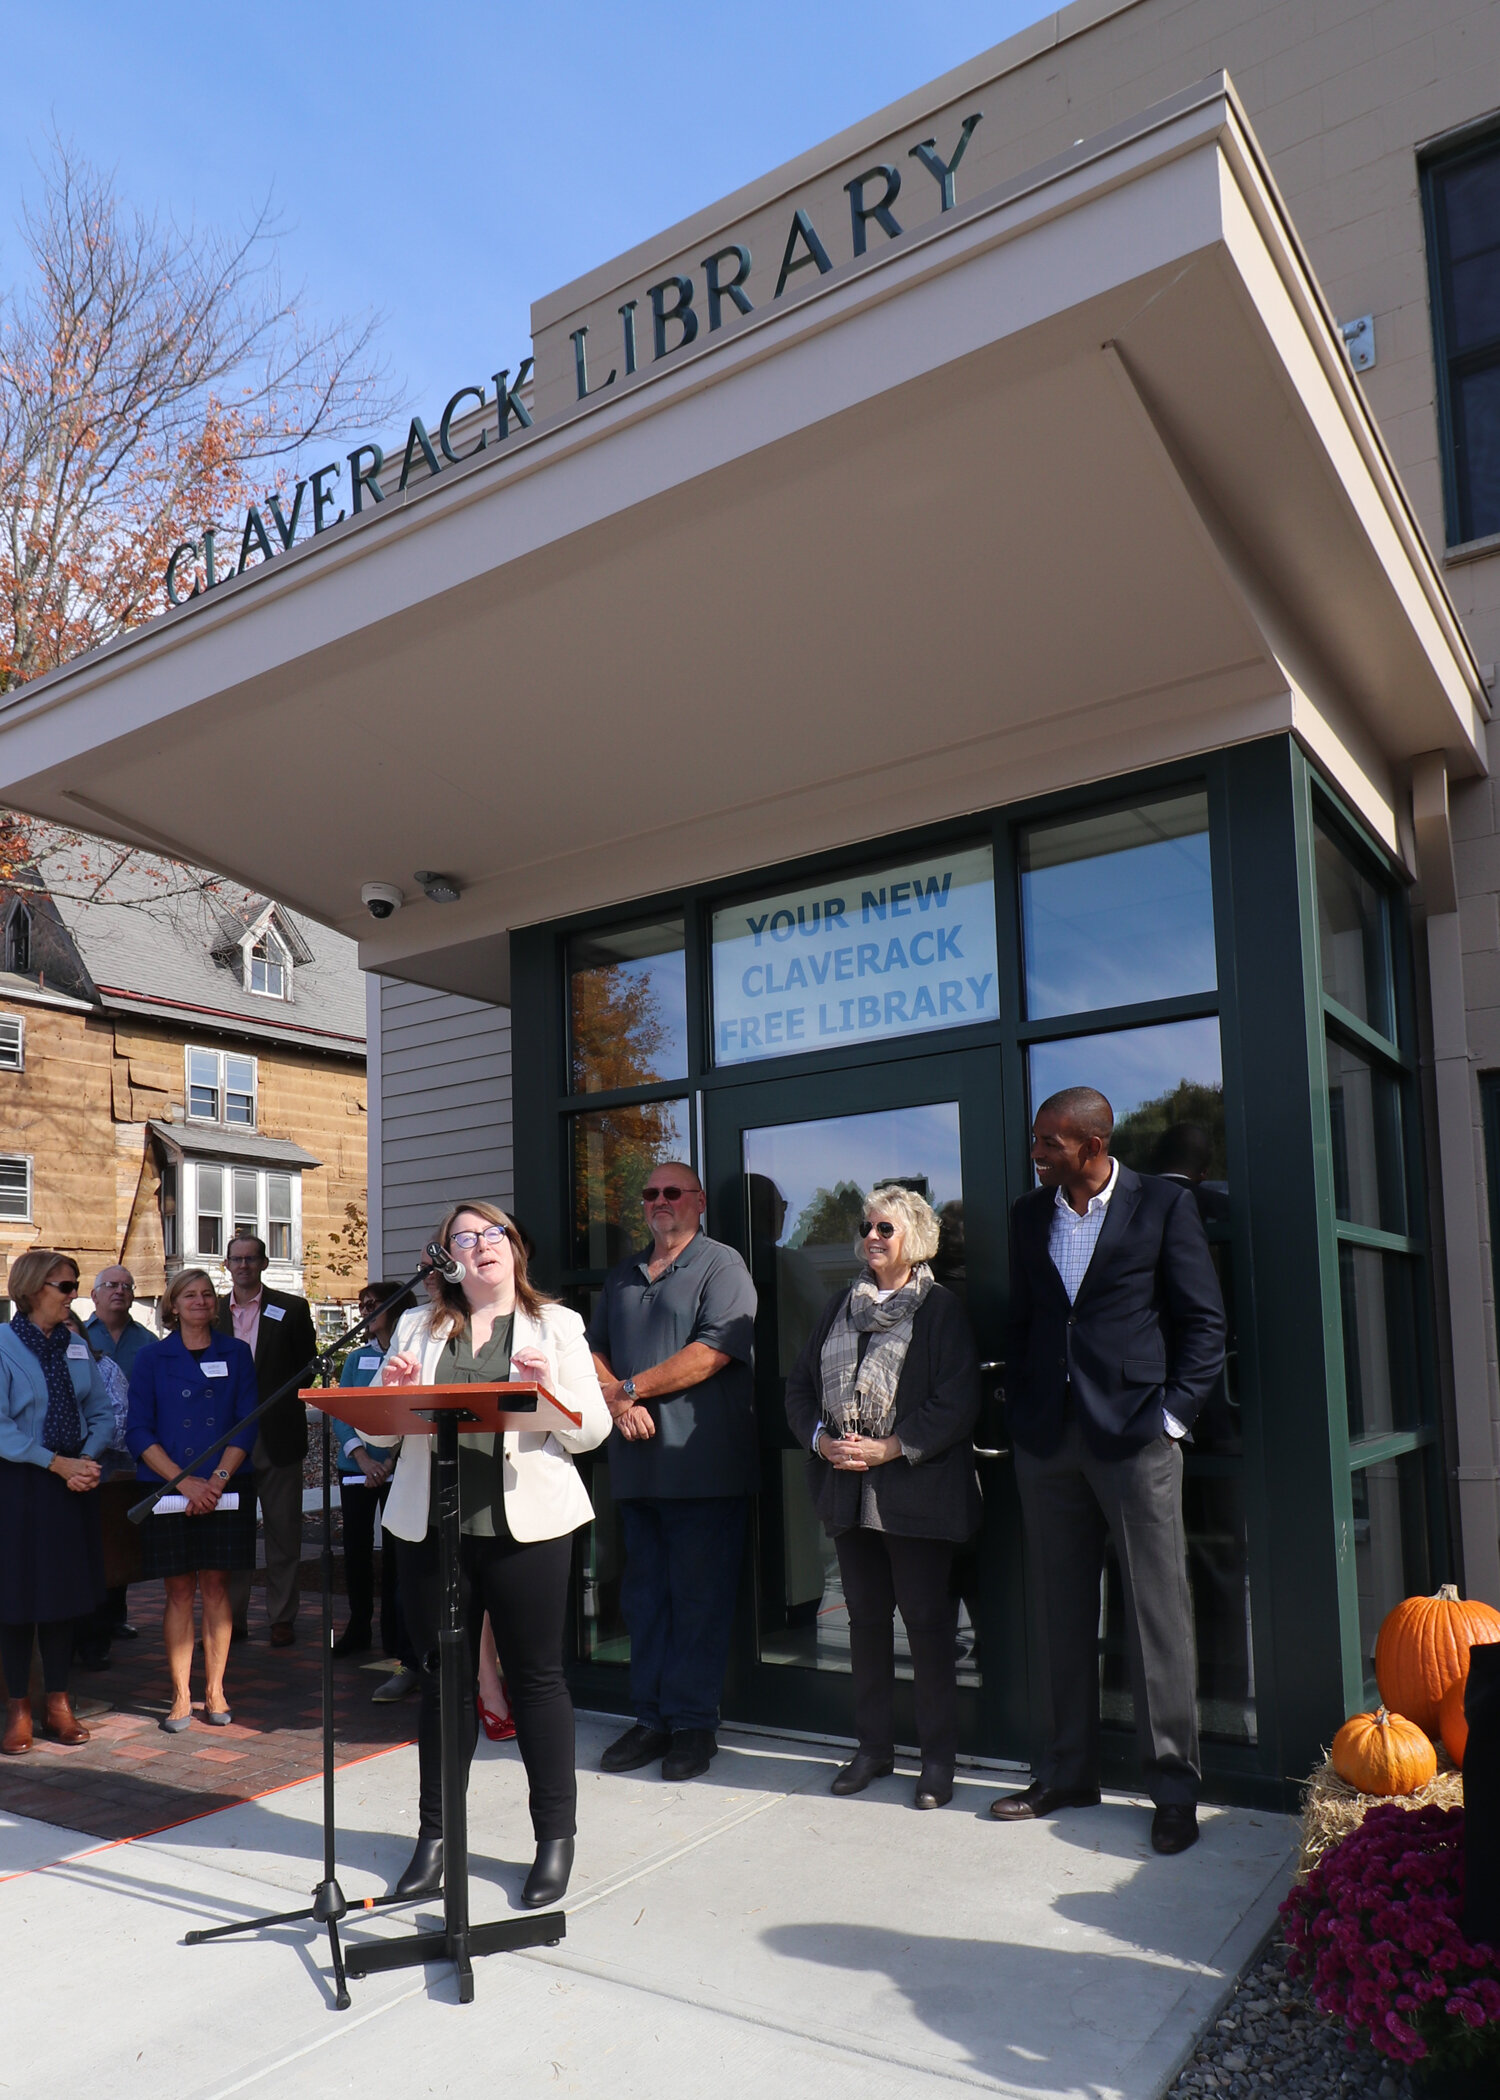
{"x":54,"y":1637}
{"x":359,"y":1505}
{"x":525,"y":1591}
{"x":880,"y":1573}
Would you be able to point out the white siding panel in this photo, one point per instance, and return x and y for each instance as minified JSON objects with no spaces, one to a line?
{"x":445,"y":1111}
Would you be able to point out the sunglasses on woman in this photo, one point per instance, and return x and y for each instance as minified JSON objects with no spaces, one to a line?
{"x":883,"y":1226}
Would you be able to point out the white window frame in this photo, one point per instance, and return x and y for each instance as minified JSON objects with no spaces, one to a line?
{"x":278,"y":955}
{"x":220,"y":1119}
{"x":16,"y":1062}
{"x":23,"y":1160}
{"x":188,"y":1212}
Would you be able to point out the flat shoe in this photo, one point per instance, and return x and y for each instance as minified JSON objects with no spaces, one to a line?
{"x":175,"y":1724}
{"x":636,"y":1747}
{"x":934,"y":1789}
{"x":1174,"y":1827}
{"x":221,"y":1719}
{"x":548,"y":1880}
{"x":855,"y":1776}
{"x":689,"y":1756}
{"x":1040,"y":1800}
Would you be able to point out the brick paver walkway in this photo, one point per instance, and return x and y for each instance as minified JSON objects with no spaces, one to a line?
{"x":130,"y":1778}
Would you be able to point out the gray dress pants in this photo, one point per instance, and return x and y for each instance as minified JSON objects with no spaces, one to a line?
{"x":1071,"y":1502}
{"x":280,"y":1492}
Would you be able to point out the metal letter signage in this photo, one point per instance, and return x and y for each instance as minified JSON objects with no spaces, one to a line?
{"x":857,"y":958}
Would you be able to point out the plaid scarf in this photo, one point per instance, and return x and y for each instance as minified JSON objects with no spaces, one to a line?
{"x":859,"y":1397}
{"x":62,"y":1430}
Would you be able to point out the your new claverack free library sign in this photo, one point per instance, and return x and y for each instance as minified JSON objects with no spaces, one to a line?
{"x":896,"y":950}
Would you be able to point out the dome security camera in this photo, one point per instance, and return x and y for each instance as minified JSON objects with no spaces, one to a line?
{"x":380,"y":899}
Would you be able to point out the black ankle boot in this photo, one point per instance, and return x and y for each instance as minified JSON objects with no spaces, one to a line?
{"x":548,"y":1880}
{"x":424,"y":1876}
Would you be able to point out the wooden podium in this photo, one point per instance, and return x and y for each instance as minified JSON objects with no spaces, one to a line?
{"x":445,"y":1411}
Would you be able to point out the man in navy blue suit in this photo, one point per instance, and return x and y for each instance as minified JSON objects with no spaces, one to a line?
{"x":1116,"y":1340}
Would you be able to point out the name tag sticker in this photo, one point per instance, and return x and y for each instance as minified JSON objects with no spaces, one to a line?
{"x":212,"y":1370}
{"x":275,"y":1312}
{"x":78,"y":1351}
{"x":369,"y":1363}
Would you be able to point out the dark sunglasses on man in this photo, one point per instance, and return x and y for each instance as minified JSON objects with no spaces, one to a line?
{"x":672,"y":1193}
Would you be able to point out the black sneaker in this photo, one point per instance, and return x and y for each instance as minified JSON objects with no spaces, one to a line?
{"x":636,"y":1747}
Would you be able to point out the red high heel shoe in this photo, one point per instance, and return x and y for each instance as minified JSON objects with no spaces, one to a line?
{"x":500,"y":1728}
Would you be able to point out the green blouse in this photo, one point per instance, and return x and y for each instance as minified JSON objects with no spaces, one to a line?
{"x":481,"y":1497}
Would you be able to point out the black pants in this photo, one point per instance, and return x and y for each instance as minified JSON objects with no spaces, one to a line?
{"x":882,"y":1572}
{"x":55,"y":1639}
{"x":359,"y":1505}
{"x":525,"y":1591}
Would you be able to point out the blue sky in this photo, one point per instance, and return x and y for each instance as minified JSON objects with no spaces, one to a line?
{"x":447,"y":164}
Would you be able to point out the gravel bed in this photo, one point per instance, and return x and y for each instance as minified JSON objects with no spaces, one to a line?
{"x":1268,"y":2040}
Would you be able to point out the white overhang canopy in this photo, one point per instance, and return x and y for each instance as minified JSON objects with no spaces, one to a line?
{"x":1075,"y":480}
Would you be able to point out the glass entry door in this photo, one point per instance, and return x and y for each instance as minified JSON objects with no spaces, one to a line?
{"x":789,"y":1163}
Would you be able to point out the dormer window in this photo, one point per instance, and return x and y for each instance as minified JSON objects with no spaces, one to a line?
{"x":18,"y":940}
{"x":270,"y":968}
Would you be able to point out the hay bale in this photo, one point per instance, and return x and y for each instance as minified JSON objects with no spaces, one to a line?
{"x":1331,"y":1808}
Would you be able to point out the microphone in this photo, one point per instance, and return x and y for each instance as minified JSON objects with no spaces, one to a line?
{"x":450,"y":1269}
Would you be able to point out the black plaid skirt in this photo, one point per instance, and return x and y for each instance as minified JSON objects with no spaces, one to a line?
{"x":181,"y":1545}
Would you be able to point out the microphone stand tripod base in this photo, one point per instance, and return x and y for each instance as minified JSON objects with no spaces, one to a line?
{"x":504,"y":1936}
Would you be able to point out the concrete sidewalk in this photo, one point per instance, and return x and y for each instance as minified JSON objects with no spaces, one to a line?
{"x":744,"y":1933}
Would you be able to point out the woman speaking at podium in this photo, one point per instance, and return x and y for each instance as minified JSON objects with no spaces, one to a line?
{"x":520,"y":1501}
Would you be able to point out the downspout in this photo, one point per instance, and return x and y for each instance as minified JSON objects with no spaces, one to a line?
{"x":1476,"y":1472}
{"x":374,"y":1134}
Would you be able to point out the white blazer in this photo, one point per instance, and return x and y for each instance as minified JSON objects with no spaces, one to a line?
{"x":544,"y":1497}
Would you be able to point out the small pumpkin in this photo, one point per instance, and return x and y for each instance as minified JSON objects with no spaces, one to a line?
{"x":1423,"y":1645}
{"x":1455,"y":1729}
{"x":1383,"y":1753}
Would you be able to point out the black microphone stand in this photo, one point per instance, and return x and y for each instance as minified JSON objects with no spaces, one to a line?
{"x":329,"y":1903}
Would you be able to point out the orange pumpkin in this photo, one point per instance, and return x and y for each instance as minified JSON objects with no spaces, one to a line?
{"x":1455,"y":1729}
{"x":1423,"y":1645}
{"x":1382,"y":1753}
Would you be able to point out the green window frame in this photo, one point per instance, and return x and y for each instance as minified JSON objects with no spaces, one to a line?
{"x":1379,"y":1320}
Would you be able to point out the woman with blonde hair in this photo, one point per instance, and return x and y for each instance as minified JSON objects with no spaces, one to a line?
{"x":885,"y":1397}
{"x":520,"y":1501}
{"x":186,"y":1391}
{"x":55,"y":1424}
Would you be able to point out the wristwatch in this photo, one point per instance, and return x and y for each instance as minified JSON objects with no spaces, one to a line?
{"x":221,"y":1474}
{"x":627,"y":1387}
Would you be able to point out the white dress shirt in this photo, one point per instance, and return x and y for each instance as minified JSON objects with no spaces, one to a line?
{"x":1071,"y":1241}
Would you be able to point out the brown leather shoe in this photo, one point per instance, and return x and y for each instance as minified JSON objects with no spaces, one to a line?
{"x":1040,"y":1800}
{"x":17,"y":1738}
{"x":61,"y":1722}
{"x":283,"y":1634}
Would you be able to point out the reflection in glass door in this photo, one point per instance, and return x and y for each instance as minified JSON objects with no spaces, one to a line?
{"x":804,"y":1190}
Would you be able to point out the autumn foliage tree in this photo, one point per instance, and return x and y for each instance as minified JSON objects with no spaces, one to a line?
{"x":149,"y":374}
{"x":619,"y":1034}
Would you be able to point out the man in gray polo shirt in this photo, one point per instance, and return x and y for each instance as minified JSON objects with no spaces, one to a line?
{"x":672,"y":1335}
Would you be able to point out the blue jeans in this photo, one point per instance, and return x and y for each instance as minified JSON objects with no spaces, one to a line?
{"x":677,"y":1594}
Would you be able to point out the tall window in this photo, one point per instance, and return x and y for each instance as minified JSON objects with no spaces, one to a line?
{"x":221,"y":1088}
{"x":1462,"y":195}
{"x":279,"y":1217}
{"x":270,"y":967}
{"x":1381,"y":1270}
{"x":17,"y":944}
{"x":210,"y":1210}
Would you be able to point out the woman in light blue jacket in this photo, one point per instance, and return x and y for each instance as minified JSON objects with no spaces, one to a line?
{"x":55,"y":1422}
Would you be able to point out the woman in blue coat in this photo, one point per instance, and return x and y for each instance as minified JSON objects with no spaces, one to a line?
{"x":185,"y":1392}
{"x":55,"y":1421}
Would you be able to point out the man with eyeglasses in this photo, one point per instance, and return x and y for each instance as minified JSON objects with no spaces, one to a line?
{"x":671,"y":1338}
{"x":278,"y":1326}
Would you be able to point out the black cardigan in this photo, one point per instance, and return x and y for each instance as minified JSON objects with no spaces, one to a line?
{"x":932,"y":1493}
